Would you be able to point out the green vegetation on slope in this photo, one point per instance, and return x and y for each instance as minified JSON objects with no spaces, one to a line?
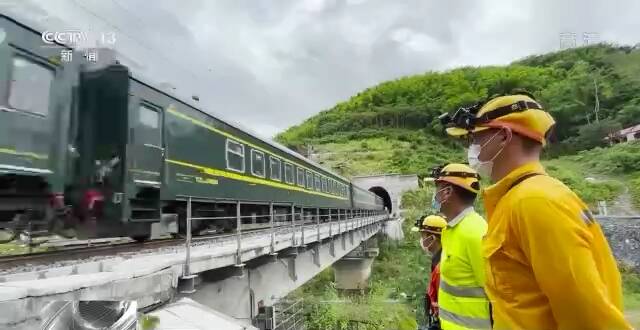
{"x":564,"y":82}
{"x":375,"y":309}
{"x":397,"y":151}
{"x":619,"y":165}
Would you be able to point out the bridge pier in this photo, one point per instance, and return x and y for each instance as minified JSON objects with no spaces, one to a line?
{"x":353,"y":270}
{"x":264,"y":282}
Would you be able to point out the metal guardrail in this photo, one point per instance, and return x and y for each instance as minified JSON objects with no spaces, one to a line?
{"x":344,"y":220}
{"x":288,"y":315}
{"x":285,"y":314}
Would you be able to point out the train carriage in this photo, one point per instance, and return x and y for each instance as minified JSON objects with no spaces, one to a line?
{"x":173,"y":151}
{"x":119,"y":157}
{"x":36,"y":96}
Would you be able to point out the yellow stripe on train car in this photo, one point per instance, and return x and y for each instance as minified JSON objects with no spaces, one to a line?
{"x":240,"y":177}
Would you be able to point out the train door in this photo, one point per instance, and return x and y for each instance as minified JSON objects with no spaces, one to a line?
{"x":26,"y":111}
{"x":146,"y":138}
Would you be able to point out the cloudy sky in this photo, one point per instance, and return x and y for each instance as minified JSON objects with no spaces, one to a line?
{"x":269,"y":64}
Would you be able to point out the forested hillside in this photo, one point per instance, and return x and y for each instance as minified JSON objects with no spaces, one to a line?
{"x":403,"y":113}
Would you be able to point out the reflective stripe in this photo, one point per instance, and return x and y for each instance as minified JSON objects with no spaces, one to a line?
{"x":462,"y":291}
{"x":465,"y":321}
{"x":25,"y":169}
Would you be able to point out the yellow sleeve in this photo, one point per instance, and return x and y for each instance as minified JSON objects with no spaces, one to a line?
{"x":557,"y":243}
{"x":474,"y":252}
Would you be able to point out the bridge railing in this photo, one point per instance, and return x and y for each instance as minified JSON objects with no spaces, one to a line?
{"x":294,"y":222}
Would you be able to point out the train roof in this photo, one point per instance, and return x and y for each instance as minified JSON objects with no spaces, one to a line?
{"x":186,"y":100}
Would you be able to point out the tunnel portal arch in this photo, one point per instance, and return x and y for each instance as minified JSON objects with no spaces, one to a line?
{"x":384,"y":194}
{"x":393,"y":186}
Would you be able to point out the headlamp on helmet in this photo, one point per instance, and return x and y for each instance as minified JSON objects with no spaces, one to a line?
{"x":463,"y":117}
{"x":467,"y":117}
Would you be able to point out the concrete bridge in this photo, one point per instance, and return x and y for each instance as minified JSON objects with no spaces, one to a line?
{"x":235,"y":274}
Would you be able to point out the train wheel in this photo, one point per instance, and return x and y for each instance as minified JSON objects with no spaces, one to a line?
{"x":140,"y":238}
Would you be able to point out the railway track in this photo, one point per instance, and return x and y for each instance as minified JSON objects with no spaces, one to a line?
{"x":65,"y":254}
{"x":74,"y":252}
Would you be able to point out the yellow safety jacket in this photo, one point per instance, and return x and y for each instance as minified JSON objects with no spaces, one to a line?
{"x":548,"y":264}
{"x":461,"y":297}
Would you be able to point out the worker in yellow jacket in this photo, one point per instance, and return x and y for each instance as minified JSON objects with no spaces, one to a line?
{"x":548,"y":264}
{"x":462,"y":301}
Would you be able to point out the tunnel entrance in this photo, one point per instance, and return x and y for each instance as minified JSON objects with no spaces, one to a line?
{"x":384,"y":195}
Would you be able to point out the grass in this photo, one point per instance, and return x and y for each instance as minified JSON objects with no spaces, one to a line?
{"x":393,"y":301}
{"x":634,"y":189}
{"x":631,"y":292}
{"x":387,"y":151}
{"x":618,"y":165}
{"x":359,"y":157}
{"x":16,"y":249}
{"x":574,"y":176}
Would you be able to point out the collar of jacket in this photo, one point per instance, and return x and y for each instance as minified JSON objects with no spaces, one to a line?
{"x":460,"y":216}
{"x":492,"y":194}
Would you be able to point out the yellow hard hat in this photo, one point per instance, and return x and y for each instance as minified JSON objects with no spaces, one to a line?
{"x":520,"y":112}
{"x":458,"y":174}
{"x":431,"y":224}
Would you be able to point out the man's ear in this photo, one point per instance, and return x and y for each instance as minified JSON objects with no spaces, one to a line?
{"x":508,"y":134}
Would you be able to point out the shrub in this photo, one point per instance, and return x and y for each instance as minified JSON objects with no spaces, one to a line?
{"x":634,"y":189}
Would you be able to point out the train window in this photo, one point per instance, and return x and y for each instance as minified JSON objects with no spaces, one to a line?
{"x":275,"y":165}
{"x":257,"y":163}
{"x":235,"y":156}
{"x":148,"y":130}
{"x":324,"y":185}
{"x":317,"y":181}
{"x":30,"y":86}
{"x":288,"y":173}
{"x":309,"y":180}
{"x":300,"y":176}
{"x":148,"y":117}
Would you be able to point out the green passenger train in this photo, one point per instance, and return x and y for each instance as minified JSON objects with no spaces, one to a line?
{"x":94,"y":151}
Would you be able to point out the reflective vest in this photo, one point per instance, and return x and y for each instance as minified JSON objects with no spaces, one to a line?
{"x":462,"y":300}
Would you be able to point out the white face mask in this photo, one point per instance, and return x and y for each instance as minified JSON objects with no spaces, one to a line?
{"x":427,"y":245}
{"x":483,"y":168}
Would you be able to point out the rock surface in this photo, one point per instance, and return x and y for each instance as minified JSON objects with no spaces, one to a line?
{"x":624,"y":239}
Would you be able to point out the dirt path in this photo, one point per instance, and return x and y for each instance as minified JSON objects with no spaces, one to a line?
{"x":634,"y":317}
{"x":623,"y":204}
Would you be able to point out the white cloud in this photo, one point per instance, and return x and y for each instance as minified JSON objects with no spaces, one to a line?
{"x":270,"y":64}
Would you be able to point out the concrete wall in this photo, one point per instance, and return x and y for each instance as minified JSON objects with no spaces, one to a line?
{"x":394,"y":184}
{"x":352,"y":273}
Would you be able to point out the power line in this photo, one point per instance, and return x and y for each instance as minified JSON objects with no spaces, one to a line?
{"x":140,"y":42}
